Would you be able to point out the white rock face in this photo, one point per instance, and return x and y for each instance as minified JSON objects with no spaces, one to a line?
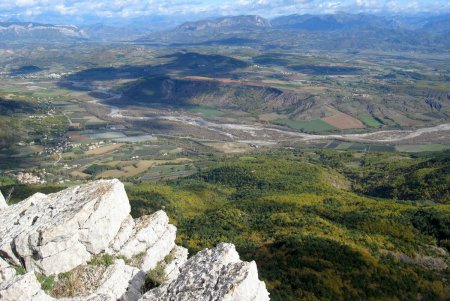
{"x":24,"y":287}
{"x":151,"y":236}
{"x":6,"y":271}
{"x":213,"y":275}
{"x":2,"y":202}
{"x":55,"y":233}
{"x":125,"y":232}
{"x":172,"y":269}
{"x":122,"y":281}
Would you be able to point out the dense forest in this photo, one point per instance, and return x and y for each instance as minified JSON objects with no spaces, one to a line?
{"x":321,"y":225}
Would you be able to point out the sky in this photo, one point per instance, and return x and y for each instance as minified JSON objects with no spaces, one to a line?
{"x":79,"y":10}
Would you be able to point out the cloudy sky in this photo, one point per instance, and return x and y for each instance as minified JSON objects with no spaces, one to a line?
{"x":126,"y":9}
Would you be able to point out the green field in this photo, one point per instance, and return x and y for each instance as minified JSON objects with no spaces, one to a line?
{"x":166,"y":169}
{"x":313,"y":126}
{"x":417,"y":148}
{"x":369,"y":120}
{"x":207,"y":112}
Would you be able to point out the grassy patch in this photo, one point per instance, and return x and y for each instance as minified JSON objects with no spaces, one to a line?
{"x":155,"y":277}
{"x":207,"y":112}
{"x":46,"y":282}
{"x":370,"y":121}
{"x":102,"y":260}
{"x":417,"y":148}
{"x":315,"y":126}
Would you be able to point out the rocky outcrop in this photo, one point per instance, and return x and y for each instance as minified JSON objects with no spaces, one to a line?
{"x":3,"y":203}
{"x":55,"y":233}
{"x":123,"y":281}
{"x":87,"y":232}
{"x":213,"y":275}
{"x":24,"y":287}
{"x":151,"y":237}
{"x":178,"y":258}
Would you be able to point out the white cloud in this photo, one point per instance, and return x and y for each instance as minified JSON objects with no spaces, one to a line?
{"x":134,"y":8}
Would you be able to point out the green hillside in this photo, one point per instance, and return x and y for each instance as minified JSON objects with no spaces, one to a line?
{"x":312,"y":236}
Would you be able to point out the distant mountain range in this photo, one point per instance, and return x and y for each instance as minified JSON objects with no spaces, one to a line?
{"x":332,"y":31}
{"x":317,"y":31}
{"x":307,"y":22}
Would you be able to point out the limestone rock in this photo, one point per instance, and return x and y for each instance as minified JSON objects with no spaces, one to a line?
{"x":152,"y":238}
{"x":3,"y":203}
{"x":6,"y":271}
{"x":24,"y":287}
{"x":125,"y":232}
{"x":179,"y":257}
{"x":213,"y":275}
{"x":55,"y":233}
{"x":122,"y":281}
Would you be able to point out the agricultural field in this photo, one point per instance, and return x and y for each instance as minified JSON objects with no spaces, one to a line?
{"x":344,"y":122}
{"x":370,"y":121}
{"x":312,"y":126}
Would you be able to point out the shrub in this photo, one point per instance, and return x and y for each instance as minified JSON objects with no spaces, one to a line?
{"x":155,"y":277}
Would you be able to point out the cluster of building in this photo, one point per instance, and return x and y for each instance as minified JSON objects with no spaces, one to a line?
{"x":29,"y":178}
{"x":95,"y":145}
{"x":60,"y":147}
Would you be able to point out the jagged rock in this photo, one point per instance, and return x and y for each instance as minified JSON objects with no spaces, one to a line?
{"x":119,"y":282}
{"x":57,"y":232}
{"x":152,"y":238}
{"x":123,"y":281}
{"x":6,"y":271}
{"x":3,"y":203}
{"x":213,"y":275}
{"x":125,"y":232}
{"x":60,"y":232}
{"x":179,"y":257}
{"x":23,"y":287}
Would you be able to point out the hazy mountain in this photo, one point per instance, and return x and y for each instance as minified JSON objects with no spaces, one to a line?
{"x":326,"y":32}
{"x":28,"y":31}
{"x":234,"y":23}
{"x":341,"y":21}
{"x":322,"y":31}
{"x":438,"y":24}
{"x":104,"y":32}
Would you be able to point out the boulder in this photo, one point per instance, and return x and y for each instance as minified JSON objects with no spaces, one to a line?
{"x":213,"y":275}
{"x":55,"y":233}
{"x":23,"y":287}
